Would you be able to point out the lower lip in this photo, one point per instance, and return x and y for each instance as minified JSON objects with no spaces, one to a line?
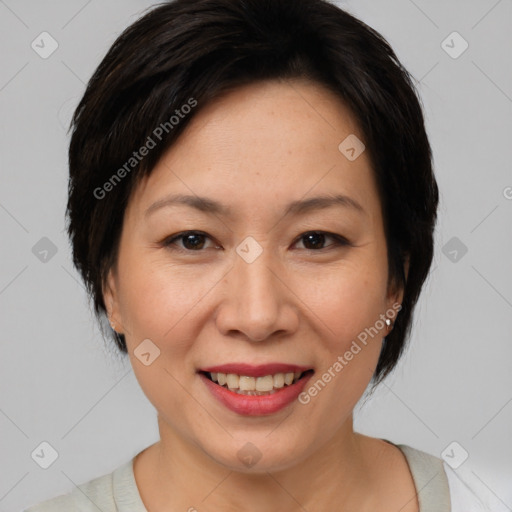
{"x":256,"y":405}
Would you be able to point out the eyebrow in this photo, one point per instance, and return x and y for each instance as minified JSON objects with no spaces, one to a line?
{"x":299,"y":207}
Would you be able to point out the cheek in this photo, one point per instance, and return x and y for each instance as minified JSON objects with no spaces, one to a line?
{"x":158,"y":302}
{"x":158,"y":298}
{"x":166,"y":302}
{"x":349,"y":306}
{"x":347,"y":300}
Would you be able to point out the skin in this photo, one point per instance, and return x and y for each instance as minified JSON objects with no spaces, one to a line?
{"x":255,"y":150}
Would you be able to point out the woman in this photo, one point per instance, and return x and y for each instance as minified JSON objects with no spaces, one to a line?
{"x":252,"y":205}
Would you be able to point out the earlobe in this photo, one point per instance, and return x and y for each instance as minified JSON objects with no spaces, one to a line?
{"x":394,"y":306}
{"x":396,"y":292}
{"x":406,"y":267}
{"x":400,"y":296}
{"x":110,"y":301}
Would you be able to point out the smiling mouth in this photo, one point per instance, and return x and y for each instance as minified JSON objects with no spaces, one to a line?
{"x":256,"y":386}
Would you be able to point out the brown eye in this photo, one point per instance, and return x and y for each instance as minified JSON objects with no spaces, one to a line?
{"x":315,"y":240}
{"x":192,"y":241}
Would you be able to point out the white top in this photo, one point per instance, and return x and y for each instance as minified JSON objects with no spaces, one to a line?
{"x":118,"y":492}
{"x":469,"y":494}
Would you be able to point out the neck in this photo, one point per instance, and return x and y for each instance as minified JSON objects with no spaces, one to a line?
{"x":174,"y":474}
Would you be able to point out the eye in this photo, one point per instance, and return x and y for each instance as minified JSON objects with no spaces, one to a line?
{"x":192,"y":241}
{"x":315,"y":240}
{"x":196,"y":241}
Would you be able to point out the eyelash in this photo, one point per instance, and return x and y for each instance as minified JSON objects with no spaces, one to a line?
{"x":339,"y":241}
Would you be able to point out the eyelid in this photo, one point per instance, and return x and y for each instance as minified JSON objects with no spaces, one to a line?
{"x":339,"y":240}
{"x":169,"y":241}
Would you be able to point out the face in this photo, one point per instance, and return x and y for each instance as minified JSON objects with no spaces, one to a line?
{"x":280,"y":269}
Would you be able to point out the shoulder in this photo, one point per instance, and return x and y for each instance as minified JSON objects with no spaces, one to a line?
{"x":96,"y":494}
{"x":466,"y":492}
{"x":469,"y":494}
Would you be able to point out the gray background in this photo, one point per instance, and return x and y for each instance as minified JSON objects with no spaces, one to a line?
{"x":61,"y":383}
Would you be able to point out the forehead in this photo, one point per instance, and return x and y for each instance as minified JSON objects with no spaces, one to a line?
{"x":264,"y":143}
{"x":287,"y":113}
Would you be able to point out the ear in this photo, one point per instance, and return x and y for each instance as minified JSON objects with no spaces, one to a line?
{"x":396,"y":290}
{"x":111,"y":301}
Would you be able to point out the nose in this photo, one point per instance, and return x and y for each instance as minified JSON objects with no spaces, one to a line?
{"x":258,"y":305}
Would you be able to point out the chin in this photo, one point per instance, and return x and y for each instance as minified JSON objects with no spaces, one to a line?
{"x":258,"y":454}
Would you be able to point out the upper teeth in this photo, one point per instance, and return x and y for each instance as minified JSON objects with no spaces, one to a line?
{"x":246,"y":383}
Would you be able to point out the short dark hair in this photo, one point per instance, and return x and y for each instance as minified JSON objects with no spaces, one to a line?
{"x":189,"y":52}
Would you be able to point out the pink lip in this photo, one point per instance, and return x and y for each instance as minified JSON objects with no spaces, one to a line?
{"x":255,"y":405}
{"x":255,"y":371}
